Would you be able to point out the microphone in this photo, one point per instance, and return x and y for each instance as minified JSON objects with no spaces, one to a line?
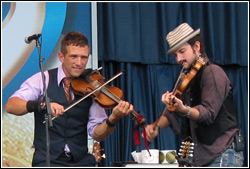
{"x":29,"y":39}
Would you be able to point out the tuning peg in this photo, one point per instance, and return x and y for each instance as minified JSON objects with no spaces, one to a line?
{"x":187,"y":143}
{"x":184,"y":147}
{"x":189,"y":156}
{"x":182,"y":153}
{"x":191,"y":145}
{"x":103,"y":156}
{"x":91,"y":146}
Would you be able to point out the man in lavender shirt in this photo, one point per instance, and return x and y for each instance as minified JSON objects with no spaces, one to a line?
{"x":68,"y":136}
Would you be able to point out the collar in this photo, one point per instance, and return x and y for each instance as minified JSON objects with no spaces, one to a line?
{"x":60,"y":75}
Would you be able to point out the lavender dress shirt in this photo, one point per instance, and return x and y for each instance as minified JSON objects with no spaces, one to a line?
{"x":32,"y":89}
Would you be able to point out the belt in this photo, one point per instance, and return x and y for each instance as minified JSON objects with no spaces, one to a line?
{"x":66,"y":157}
{"x":69,"y":155}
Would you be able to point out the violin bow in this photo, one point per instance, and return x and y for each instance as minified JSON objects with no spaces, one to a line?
{"x":175,"y":86}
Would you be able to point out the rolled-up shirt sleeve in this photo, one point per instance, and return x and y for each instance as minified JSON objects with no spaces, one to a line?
{"x":97,"y":115}
{"x":215,"y":87}
{"x":173,"y":119}
{"x":32,"y":88}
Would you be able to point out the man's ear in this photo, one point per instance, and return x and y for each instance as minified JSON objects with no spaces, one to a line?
{"x":61,"y":56}
{"x":197,"y":46}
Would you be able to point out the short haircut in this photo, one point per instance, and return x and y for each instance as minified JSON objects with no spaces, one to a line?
{"x":74,"y":38}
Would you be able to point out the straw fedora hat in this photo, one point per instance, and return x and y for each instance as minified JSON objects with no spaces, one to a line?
{"x":179,"y":36}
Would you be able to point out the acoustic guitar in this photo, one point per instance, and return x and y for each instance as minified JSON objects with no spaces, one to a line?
{"x":185,"y":155}
{"x":97,"y":152}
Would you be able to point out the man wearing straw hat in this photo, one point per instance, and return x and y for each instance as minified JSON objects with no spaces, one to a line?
{"x":205,"y":107}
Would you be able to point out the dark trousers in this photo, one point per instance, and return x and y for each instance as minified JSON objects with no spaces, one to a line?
{"x":67,"y":160}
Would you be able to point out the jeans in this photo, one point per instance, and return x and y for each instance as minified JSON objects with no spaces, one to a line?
{"x":229,"y":158}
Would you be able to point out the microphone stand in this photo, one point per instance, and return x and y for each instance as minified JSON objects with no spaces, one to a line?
{"x":48,"y":119}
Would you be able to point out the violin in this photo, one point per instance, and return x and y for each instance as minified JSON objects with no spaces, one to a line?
{"x":107,"y":96}
{"x":183,"y":82}
{"x":89,"y":94}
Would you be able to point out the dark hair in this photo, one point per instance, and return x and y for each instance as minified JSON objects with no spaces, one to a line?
{"x":198,"y":38}
{"x":73,"y":38}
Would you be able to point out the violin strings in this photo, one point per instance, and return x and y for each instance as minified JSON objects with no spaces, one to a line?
{"x":109,"y":93}
{"x":114,"y":97}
